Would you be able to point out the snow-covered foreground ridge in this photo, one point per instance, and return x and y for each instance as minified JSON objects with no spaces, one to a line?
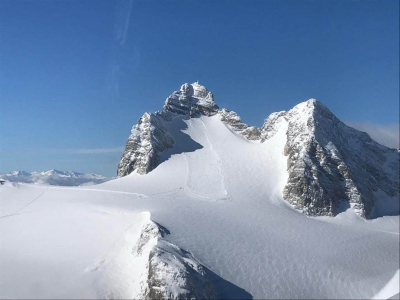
{"x":330,"y":165}
{"x":55,"y":177}
{"x":211,"y":219}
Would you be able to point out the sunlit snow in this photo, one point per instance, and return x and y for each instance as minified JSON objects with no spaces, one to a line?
{"x":221,"y":201}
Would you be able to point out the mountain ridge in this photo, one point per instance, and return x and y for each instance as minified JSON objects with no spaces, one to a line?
{"x":330,"y":165}
{"x":55,"y":177}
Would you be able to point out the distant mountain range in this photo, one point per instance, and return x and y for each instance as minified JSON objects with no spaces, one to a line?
{"x":55,"y":177}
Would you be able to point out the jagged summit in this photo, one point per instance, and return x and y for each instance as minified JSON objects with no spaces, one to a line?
{"x":149,"y":137}
{"x":329,"y":164}
{"x":191,"y":99}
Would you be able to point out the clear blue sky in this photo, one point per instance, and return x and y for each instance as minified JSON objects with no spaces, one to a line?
{"x":76,"y":75}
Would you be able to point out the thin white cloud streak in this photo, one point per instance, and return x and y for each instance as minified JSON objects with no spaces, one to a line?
{"x":123,"y":19}
{"x":387,"y":135}
{"x":123,"y":13}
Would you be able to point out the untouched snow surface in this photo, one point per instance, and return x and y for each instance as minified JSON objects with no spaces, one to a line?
{"x":221,"y":200}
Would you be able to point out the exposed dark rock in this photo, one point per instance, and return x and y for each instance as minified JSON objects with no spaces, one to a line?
{"x":172,"y":273}
{"x":234,"y":122}
{"x":147,"y":139}
{"x":191,"y":99}
{"x":329,"y":162}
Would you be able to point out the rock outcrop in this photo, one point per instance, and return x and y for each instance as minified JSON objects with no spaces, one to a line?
{"x":171,"y":272}
{"x":148,"y":138}
{"x":234,"y":122}
{"x":271,"y":125}
{"x":191,"y":99}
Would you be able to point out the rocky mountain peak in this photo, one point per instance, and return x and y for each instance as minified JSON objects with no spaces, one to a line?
{"x":192,"y":99}
{"x":149,"y":136}
{"x":329,"y":164}
{"x":311,"y":108}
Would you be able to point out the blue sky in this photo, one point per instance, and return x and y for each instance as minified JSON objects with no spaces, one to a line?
{"x":76,"y":75}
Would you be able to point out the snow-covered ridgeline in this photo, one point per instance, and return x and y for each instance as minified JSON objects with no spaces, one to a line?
{"x":330,"y":165}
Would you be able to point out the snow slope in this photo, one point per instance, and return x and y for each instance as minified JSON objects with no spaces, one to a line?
{"x":55,"y":177}
{"x":220,"y":197}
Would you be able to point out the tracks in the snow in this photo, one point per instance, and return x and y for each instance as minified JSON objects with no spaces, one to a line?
{"x":205,"y":182}
{"x":26,"y":205}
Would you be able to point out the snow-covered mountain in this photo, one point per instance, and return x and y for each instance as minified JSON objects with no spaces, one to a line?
{"x":207,"y":207}
{"x":331,"y":166}
{"x":55,"y":177}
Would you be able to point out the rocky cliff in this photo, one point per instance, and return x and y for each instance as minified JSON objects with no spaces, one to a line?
{"x":330,"y":163}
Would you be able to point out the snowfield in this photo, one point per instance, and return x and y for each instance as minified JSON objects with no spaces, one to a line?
{"x":219,"y":196}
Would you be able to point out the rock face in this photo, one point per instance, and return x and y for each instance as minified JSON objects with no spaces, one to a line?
{"x":147,"y":139}
{"x":191,"y":99}
{"x":330,"y":165}
{"x":329,"y":162}
{"x":171,"y":272}
{"x":271,"y":125}
{"x":149,"y":136}
{"x":232,"y":119}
